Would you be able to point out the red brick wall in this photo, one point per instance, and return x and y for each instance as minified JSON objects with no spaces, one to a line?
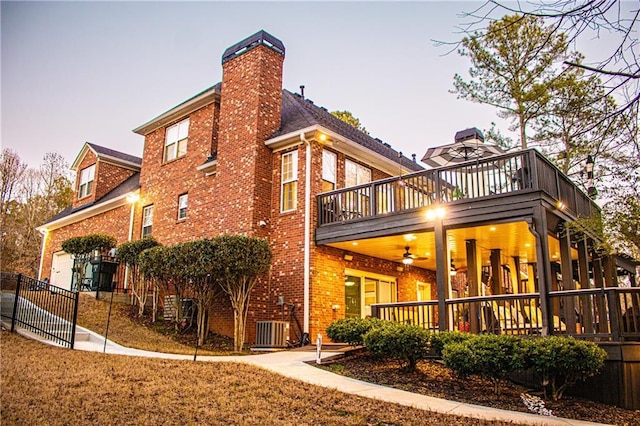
{"x":89,"y":159}
{"x":250,"y":111}
{"x":162,"y":183}
{"x":107,"y":176}
{"x":113,"y":222}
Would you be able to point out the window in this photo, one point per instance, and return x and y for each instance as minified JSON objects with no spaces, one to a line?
{"x":355,"y":174}
{"x":175,"y":144}
{"x":147,"y":221}
{"x":182,"y":206}
{"x":289,"y":181}
{"x":329,"y":162}
{"x":86,"y":181}
{"x":362,"y":289}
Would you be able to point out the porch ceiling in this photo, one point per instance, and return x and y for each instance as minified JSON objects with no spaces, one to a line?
{"x":513,"y":239}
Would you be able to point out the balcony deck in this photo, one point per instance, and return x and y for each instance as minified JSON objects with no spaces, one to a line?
{"x":513,"y":178}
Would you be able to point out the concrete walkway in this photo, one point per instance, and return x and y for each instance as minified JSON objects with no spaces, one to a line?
{"x":293,"y":364}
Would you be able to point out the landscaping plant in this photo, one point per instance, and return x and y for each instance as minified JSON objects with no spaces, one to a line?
{"x":560,"y":362}
{"x":440,"y":340}
{"x":489,"y":356}
{"x":129,"y":253}
{"x":404,"y":343}
{"x":352,"y":330}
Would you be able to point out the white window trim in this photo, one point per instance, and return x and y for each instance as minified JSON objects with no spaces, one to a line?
{"x":328,"y":174}
{"x":87,"y":176}
{"x":171,"y":151}
{"x":147,"y":220}
{"x":183,"y":201}
{"x":358,"y":168}
{"x":293,"y":179}
{"x":363,"y":275}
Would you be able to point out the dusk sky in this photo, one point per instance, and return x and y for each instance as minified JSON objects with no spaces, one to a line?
{"x":79,"y":71}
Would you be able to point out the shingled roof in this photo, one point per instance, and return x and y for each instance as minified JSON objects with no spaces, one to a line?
{"x":299,"y":113}
{"x":101,"y":150}
{"x":129,"y":185}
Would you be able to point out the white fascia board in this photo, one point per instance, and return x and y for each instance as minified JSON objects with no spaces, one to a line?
{"x":120,"y":162}
{"x":338,"y":143}
{"x":177,"y":112}
{"x":86,"y":213}
{"x":76,"y":163}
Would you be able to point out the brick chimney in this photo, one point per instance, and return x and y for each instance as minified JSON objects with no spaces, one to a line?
{"x":250,"y":111}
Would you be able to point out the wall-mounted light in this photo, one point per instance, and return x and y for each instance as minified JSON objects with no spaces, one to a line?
{"x":560,"y":205}
{"x":132,"y":197}
{"x":436,"y":213}
{"x":335,"y":307}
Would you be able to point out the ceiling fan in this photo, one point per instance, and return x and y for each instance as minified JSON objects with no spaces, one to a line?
{"x":408,"y":258}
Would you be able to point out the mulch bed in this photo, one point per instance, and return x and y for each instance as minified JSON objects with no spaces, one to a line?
{"x":432,"y":378}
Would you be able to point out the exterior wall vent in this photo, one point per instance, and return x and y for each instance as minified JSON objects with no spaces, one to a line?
{"x":272,"y":334}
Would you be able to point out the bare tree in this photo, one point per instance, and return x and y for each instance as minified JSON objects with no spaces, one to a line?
{"x":11,"y":170}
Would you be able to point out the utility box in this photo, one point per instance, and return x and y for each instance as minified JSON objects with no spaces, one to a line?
{"x":272,"y":334}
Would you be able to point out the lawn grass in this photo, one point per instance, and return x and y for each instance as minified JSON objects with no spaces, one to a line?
{"x":93,"y":314}
{"x":42,"y":384}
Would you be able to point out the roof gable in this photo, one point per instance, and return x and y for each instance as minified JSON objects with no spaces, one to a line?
{"x":299,"y":113}
{"x":109,"y":155}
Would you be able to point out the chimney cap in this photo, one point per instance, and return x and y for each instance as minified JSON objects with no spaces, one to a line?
{"x":260,"y":38}
{"x":467,"y":134}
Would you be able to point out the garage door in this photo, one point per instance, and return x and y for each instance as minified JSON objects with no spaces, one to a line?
{"x":61,"y":270}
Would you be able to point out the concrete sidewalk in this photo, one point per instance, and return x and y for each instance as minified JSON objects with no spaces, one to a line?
{"x":293,"y":364}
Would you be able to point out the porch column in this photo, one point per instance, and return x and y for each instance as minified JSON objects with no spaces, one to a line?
{"x":543,"y":267}
{"x":598,"y":278}
{"x":583,"y":274}
{"x":567,"y":280}
{"x":474,"y":277}
{"x":442,"y":273}
{"x":496,"y":272}
{"x":610,"y":274}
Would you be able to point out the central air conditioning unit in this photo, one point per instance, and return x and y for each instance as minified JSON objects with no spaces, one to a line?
{"x":272,"y":334}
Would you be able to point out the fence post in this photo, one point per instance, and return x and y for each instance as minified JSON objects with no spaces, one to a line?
{"x":15,"y":304}
{"x":374,"y":311}
{"x":75,"y":319}
{"x":615,"y":313}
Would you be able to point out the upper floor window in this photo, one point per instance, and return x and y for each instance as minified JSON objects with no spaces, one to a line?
{"x":147,"y":221}
{"x":182,"y":206}
{"x":87,"y":176}
{"x":329,"y":163}
{"x":175,"y":144}
{"x":289,"y":181}
{"x":355,"y":174}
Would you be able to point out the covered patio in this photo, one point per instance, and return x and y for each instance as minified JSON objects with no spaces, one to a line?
{"x":493,"y":230}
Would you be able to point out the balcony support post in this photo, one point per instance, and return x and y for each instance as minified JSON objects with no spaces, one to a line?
{"x":474,"y":279}
{"x":442,"y":272}
{"x":543,"y":266}
{"x":567,"y":279}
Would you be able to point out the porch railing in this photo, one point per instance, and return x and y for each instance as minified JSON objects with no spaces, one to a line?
{"x":602,"y":314}
{"x":46,"y":310}
{"x":504,"y":174}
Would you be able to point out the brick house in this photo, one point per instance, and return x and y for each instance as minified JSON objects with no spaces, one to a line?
{"x":243,"y":156}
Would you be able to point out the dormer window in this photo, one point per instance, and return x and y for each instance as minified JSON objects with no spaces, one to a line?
{"x":87,"y":176}
{"x":175,"y":144}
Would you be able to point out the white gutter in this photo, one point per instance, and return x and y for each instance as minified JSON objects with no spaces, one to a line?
{"x":42,"y":246}
{"x":307,"y":230}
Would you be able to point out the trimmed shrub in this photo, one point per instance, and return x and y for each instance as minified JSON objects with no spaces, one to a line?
{"x":405,"y":343}
{"x":489,"y":356}
{"x":560,"y":362}
{"x":351,"y":330}
{"x":440,"y":340}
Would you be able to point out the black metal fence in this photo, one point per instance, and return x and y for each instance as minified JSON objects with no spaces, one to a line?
{"x":41,"y":308}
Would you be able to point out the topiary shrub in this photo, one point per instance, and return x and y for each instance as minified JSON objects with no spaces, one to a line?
{"x":440,"y":340}
{"x":489,"y":356}
{"x":351,"y":330}
{"x":404,"y":343}
{"x":561,"y":361}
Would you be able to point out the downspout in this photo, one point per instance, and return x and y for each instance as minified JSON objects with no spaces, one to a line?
{"x":44,"y":234}
{"x":307,"y":229}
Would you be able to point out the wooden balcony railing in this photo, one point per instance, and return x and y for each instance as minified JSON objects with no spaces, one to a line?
{"x":609,"y":314}
{"x":509,"y":173}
